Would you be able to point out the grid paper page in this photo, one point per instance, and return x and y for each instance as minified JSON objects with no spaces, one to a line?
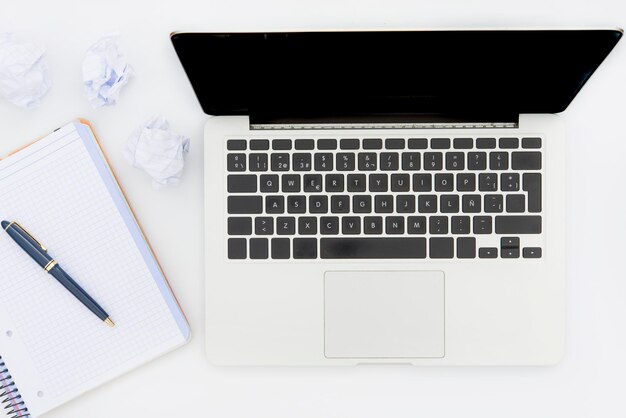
{"x":55,"y":191}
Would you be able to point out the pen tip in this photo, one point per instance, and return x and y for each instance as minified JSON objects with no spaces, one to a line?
{"x":5,"y":224}
{"x":109,"y":322}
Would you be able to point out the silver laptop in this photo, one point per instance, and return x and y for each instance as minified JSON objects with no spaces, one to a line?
{"x":386,"y":196}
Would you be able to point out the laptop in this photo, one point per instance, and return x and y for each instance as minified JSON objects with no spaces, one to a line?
{"x":386,"y":196}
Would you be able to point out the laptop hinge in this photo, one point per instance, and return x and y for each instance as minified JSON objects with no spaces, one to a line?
{"x":384,"y":122}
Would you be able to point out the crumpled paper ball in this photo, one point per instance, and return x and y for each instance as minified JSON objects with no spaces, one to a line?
{"x":24,"y":78}
{"x":105,"y":72}
{"x":158,"y":151}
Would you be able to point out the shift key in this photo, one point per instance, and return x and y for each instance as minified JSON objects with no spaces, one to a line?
{"x":518,"y":225}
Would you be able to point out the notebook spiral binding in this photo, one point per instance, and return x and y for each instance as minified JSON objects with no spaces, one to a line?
{"x":11,"y":401}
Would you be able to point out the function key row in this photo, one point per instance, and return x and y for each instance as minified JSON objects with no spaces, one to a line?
{"x":377,"y":143}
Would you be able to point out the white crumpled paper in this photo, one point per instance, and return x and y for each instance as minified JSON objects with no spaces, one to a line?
{"x":105,"y":72}
{"x":158,"y":151}
{"x":24,"y":76}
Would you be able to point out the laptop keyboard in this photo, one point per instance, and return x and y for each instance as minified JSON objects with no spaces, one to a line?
{"x":393,"y":198}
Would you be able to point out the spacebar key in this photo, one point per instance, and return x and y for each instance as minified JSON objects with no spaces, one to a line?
{"x":373,"y":248}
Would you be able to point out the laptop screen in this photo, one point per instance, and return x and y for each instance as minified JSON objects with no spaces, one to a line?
{"x":325,"y":74}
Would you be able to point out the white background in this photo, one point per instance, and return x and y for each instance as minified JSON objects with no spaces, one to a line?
{"x":589,"y":382}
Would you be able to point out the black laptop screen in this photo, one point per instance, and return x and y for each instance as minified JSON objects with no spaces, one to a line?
{"x":320,"y":74}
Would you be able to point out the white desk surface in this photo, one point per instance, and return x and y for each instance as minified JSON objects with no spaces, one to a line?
{"x":589,"y":382}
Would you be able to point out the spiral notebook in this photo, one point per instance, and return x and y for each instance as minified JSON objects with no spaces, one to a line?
{"x":52,"y":349}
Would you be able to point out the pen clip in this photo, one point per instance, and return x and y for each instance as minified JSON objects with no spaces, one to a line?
{"x":30,"y":235}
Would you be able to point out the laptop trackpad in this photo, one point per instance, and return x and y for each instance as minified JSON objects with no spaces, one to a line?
{"x":384,"y":314}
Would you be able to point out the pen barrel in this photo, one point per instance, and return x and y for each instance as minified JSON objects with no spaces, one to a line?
{"x":29,"y":246}
{"x":75,"y":289}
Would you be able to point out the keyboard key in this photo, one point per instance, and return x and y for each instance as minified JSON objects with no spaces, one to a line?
{"x":383,"y":204}
{"x":394,"y":225}
{"x":326,"y":144}
{"x":444,"y":182}
{"x":362,"y":204}
{"x":438,"y":225}
{"x":427,"y":203}
{"x":410,"y":161}
{"x":471,"y":203}
{"x":329,"y":225}
{"x":305,"y":144}
{"x":351,"y":225}
{"x":323,"y":161}
{"x":257,"y":162}
{"x":477,"y":160}
{"x":304,"y":248}
{"x":389,"y":161}
{"x":239,"y":205}
{"x":236,"y":144}
{"x":405,"y":203}
{"x":416,"y":225}
{"x":455,"y":161}
{"x":259,"y":144}
{"x":286,"y":225}
{"x":312,"y":183}
{"x":372,"y":143}
{"x":296,"y":204}
{"x":281,"y":144}
{"x":460,"y":224}
{"x":494,"y":203}
{"x":334,"y":183}
{"x":449,"y":203}
{"x":509,"y":143}
{"x":356,"y":182}
{"x":509,"y":253}
{"x":291,"y":183}
{"x":280,"y":248}
{"x":486,"y":143}
{"x":349,"y":144}
{"x":400,"y":183}
{"x":463,"y":143}
{"x":378,"y":183}
{"x":345,"y":161}
{"x":274,"y":204}
{"x":318,"y":204}
{"x":367,"y":161}
{"x":370,"y":247}
{"x":526,"y":160}
{"x":307,"y":225}
{"x":418,"y":143}
{"x":440,"y":143}
{"x":269,"y":183}
{"x":441,"y":247}
{"x":340,"y":204}
{"x":280,"y":162}
{"x":240,"y":226}
{"x":237,"y":248}
{"x":498,"y":161}
{"x":242,"y":183}
{"x":433,"y":161}
{"x":236,"y":162}
{"x":488,"y":252}
{"x":264,"y":225}
{"x":509,"y":242}
{"x":515,"y":203}
{"x":531,"y":252}
{"x":301,"y":162}
{"x":509,"y":182}
{"x":532,"y":185}
{"x":518,"y":224}
{"x":259,"y":248}
{"x":466,"y":247}
{"x":422,"y":182}
{"x":482,"y":225}
{"x":394,"y":143}
{"x":531,"y":143}
{"x":466,"y":182}
{"x":488,"y":182}
{"x":373,"y":225}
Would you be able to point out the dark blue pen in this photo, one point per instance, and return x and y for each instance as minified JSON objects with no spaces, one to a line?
{"x":39,"y":253}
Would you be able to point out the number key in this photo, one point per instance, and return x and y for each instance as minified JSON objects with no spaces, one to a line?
{"x":280,"y":162}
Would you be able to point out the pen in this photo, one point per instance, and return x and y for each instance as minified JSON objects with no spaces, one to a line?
{"x":39,"y":253}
